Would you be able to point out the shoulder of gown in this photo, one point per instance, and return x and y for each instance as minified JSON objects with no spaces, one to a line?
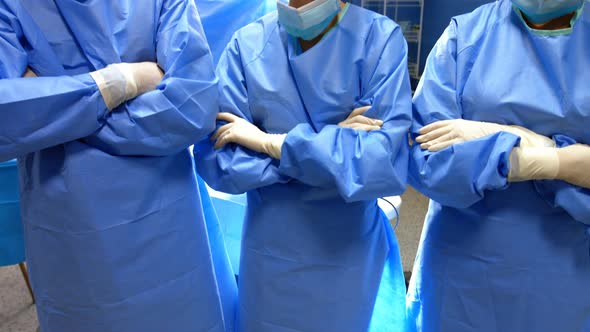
{"x":471,"y":28}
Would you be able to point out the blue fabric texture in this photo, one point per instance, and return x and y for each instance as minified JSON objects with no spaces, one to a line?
{"x":224,"y":271}
{"x":231,"y":212}
{"x":315,"y":244}
{"x":114,"y":229}
{"x":496,"y":256}
{"x":12,"y":246}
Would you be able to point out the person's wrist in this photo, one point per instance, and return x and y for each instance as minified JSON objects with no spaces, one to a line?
{"x":274,"y":145}
{"x":533,"y":164}
{"x":127,"y":70}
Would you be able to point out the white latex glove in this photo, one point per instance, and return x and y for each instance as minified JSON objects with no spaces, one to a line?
{"x":570,"y":164}
{"x":29,"y":73}
{"x":442,"y":134}
{"x":356,"y":120}
{"x":246,"y":134}
{"x":533,"y":164}
{"x":121,"y":82}
{"x":574,"y":164}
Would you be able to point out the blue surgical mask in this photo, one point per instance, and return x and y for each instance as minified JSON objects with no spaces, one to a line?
{"x":541,"y":11}
{"x":309,"y":21}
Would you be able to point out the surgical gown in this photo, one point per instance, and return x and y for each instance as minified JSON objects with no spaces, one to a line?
{"x":317,"y":253}
{"x":114,"y":229}
{"x":499,"y":256}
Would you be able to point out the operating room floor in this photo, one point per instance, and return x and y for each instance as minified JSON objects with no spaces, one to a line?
{"x":17,"y":313}
{"x":413,"y":211}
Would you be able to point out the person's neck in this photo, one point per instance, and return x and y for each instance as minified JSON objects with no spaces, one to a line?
{"x":562,"y":22}
{"x":307,"y":44}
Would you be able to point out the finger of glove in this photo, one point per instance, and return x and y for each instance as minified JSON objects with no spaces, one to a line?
{"x":221,"y":131}
{"x":434,"y":134}
{"x":364,"y":120}
{"x":227,"y":117}
{"x":365,"y":127}
{"x":445,"y":138}
{"x":358,"y":111}
{"x":443,"y":145}
{"x":435,"y":125}
{"x":223,"y":139}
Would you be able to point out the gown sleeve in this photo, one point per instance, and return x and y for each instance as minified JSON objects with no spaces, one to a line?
{"x":362,"y":165}
{"x":37,"y":113}
{"x":457,"y":176}
{"x":234,"y":169}
{"x":182,"y":110}
{"x":572,"y":199}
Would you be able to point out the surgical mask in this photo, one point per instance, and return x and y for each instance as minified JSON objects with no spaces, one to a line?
{"x":309,"y":21}
{"x":541,"y":11}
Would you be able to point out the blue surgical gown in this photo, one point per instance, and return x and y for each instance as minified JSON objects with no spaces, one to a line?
{"x":114,"y":229}
{"x":317,"y":252}
{"x":12,"y":247}
{"x":499,"y":256}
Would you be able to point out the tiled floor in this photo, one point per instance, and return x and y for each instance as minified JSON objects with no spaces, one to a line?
{"x":414,"y":206}
{"x":17,"y":314}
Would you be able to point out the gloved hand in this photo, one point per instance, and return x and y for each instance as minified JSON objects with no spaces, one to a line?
{"x":246,"y":134}
{"x":121,"y":82}
{"x":442,"y":134}
{"x":569,"y":164}
{"x":574,"y":163}
{"x":356,"y":120}
{"x":29,"y":73}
